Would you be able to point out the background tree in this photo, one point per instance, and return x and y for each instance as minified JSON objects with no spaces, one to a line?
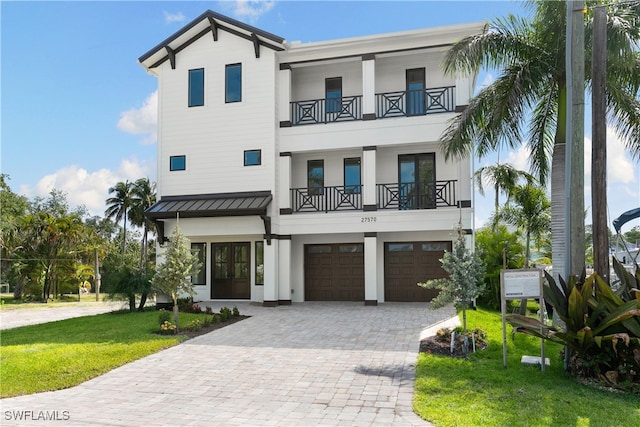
{"x":465,"y":281}
{"x":118,"y":205}
{"x":503,"y":177}
{"x":173,"y":275}
{"x":495,"y":246}
{"x":143,"y":197}
{"x":531,"y":91}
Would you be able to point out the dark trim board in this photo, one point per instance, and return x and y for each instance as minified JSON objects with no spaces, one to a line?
{"x":266,"y":303}
{"x":370,"y":303}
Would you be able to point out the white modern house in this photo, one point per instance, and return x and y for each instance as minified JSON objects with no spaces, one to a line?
{"x":309,"y":171}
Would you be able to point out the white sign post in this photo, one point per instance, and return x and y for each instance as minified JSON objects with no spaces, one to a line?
{"x":520,"y":284}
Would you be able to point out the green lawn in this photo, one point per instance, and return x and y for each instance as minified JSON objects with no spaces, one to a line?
{"x":481,"y":392}
{"x":62,"y":354}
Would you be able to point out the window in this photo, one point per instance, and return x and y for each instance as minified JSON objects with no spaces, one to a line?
{"x":352,"y":182}
{"x":233,"y":83}
{"x":400,"y":247}
{"x":333,"y":94}
{"x":196,"y":87}
{"x":415,"y":92}
{"x":177,"y":163}
{"x":416,"y":177}
{"x":198,"y":277}
{"x":252,"y":157}
{"x":315,"y":177}
{"x":259,"y":263}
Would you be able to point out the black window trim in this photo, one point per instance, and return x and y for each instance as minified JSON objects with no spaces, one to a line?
{"x":171,"y":168}
{"x":314,"y":190}
{"x":226,"y":91}
{"x":189,"y":88}
{"x":344,"y":172}
{"x":259,"y":151}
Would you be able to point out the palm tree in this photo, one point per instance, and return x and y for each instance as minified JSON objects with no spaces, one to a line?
{"x":118,"y":205}
{"x":143,"y":196}
{"x":503,"y":177}
{"x":531,"y":92}
{"x":530,"y":212}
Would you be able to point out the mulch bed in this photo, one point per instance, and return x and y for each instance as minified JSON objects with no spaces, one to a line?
{"x":440,"y":347}
{"x":209,"y":328}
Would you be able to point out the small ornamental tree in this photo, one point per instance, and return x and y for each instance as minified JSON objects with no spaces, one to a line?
{"x":173,"y":275}
{"x":465,"y":282}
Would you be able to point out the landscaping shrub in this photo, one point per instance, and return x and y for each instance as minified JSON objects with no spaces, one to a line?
{"x":163,"y":316}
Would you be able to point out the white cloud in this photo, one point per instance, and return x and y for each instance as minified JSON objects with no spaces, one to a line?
{"x":143,"y":120}
{"x":620,"y":167}
{"x":170,"y":18}
{"x":252,"y":9}
{"x":519,"y":159}
{"x":90,"y":189}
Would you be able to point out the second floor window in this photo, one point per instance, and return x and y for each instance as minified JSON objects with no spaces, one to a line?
{"x":315,"y":176}
{"x":415,"y":92}
{"x":333,"y":94}
{"x":352,"y":175}
{"x":196,"y":87}
{"x":177,"y":163}
{"x":233,"y":83}
{"x":252,"y":157}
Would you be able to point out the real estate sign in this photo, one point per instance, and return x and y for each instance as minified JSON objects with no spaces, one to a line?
{"x":520,"y":284}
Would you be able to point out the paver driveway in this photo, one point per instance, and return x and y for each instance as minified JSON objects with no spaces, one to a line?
{"x":305,"y":364}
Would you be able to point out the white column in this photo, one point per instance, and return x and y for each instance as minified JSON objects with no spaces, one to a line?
{"x":370,"y":269}
{"x":369,"y":87}
{"x":369,"y":178}
{"x":464,"y":90}
{"x":284,"y":93}
{"x":270,"y":274}
{"x":284,"y":271}
{"x":284,"y":186}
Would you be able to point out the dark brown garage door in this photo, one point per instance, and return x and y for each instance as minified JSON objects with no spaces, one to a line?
{"x":334,"y":272}
{"x":408,"y":263}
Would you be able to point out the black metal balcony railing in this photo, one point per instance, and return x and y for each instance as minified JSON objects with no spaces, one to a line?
{"x":314,"y":111}
{"x":417,"y":195}
{"x":389,"y":104}
{"x":415,"y":102}
{"x":326,"y":199}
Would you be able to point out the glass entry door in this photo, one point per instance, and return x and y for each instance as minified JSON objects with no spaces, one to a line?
{"x":416,"y":181}
{"x":231,"y":278}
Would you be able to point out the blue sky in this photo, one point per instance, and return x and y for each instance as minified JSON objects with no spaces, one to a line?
{"x":78,"y":112}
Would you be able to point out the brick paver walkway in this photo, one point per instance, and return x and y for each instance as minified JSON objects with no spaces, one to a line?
{"x":301,"y":365}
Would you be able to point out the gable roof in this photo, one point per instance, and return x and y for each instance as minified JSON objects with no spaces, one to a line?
{"x":208,"y":22}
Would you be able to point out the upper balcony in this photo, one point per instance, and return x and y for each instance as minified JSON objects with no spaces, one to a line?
{"x":406,"y":103}
{"x":369,"y":87}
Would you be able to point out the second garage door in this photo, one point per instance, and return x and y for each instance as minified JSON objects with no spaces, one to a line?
{"x":406,"y":264}
{"x":334,"y":272}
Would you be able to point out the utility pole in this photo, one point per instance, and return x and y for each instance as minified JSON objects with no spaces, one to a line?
{"x":599,"y":144}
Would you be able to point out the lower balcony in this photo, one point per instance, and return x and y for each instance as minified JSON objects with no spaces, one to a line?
{"x":398,"y":196}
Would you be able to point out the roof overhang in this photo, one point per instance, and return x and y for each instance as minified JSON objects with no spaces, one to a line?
{"x":208,"y":22}
{"x":210,"y":205}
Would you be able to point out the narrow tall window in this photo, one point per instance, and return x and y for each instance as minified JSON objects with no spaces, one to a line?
{"x":233,"y":83}
{"x":259,"y":263}
{"x":333,"y":94}
{"x":352,"y":183}
{"x":199,"y":277}
{"x":196,"y":87}
{"x":416,"y":181}
{"x":415,"y":92}
{"x":177,"y":163}
{"x":315,"y":176}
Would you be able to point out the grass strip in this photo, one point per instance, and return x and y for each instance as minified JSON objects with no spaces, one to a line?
{"x":481,"y":392}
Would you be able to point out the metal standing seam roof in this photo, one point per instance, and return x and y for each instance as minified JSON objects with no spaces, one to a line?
{"x":211,"y":205}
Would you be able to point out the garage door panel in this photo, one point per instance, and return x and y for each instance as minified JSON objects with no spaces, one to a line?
{"x":406,"y":264}
{"x":334,"y":272}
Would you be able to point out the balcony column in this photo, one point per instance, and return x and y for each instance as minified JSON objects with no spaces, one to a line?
{"x":369,"y":189}
{"x":284,"y":270}
{"x":464,"y":92}
{"x":370,"y":269}
{"x":284,"y":95}
{"x":284,"y":184}
{"x":270,"y":273}
{"x":369,"y":87}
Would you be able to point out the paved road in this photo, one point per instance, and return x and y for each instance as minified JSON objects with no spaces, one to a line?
{"x":13,"y":318}
{"x":327,"y":364}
